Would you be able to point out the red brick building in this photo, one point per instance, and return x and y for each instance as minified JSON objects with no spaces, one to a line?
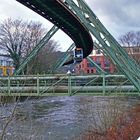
{"x":88,"y":68}
{"x":104,"y":62}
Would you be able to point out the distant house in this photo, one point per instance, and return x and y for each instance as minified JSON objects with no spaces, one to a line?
{"x":132,"y":49}
{"x":134,"y":52}
{"x":6,"y":65}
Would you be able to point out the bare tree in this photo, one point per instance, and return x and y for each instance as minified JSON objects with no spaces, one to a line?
{"x":131,"y":42}
{"x":45,"y":59}
{"x":18,"y":38}
{"x":128,"y":39}
{"x":137,"y":42}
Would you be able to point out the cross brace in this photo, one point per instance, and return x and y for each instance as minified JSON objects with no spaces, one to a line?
{"x":108,"y":44}
{"x":39,"y":46}
{"x":63,"y":59}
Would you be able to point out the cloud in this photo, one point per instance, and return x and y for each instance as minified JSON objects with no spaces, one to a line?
{"x":118,"y":16}
{"x":13,"y":9}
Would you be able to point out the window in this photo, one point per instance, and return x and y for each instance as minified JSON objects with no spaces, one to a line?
{"x":1,"y":72}
{"x":97,"y":59}
{"x":7,"y":63}
{"x":78,"y":54}
{"x":1,"y":62}
{"x":88,"y":71}
{"x":106,"y":62}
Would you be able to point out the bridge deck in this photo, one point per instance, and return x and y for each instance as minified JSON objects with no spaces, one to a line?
{"x":52,"y":85}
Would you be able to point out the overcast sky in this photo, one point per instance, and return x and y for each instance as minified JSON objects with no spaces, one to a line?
{"x":118,"y":16}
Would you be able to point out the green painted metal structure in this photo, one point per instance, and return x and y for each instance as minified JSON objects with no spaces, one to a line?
{"x":63,"y":59}
{"x":52,"y":85}
{"x":98,"y":68}
{"x":58,"y":13}
{"x":34,"y":52}
{"x":68,"y":55}
{"x":81,"y":13}
{"x":106,"y":41}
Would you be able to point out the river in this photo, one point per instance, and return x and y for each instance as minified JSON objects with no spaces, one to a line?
{"x":61,"y":118}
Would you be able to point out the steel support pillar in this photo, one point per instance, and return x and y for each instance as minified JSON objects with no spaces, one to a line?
{"x":106,"y":41}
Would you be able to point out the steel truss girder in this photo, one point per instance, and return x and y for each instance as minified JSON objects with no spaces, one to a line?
{"x":108,"y":44}
{"x":63,"y":59}
{"x":39,"y":46}
{"x":67,"y":55}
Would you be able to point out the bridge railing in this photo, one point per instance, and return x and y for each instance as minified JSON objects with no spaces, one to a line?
{"x":43,"y":85}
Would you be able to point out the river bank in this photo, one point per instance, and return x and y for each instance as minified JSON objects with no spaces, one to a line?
{"x":126,"y":127}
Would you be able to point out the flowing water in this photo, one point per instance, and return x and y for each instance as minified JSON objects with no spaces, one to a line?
{"x":59,"y":118}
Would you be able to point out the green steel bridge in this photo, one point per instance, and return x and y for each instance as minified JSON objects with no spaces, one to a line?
{"x":79,"y":22}
{"x":55,"y":85}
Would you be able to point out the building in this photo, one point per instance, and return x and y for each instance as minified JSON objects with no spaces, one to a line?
{"x":6,"y":65}
{"x":134,"y":52}
{"x":104,"y":62}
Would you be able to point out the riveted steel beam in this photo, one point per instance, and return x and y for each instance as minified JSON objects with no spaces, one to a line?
{"x":108,"y":44}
